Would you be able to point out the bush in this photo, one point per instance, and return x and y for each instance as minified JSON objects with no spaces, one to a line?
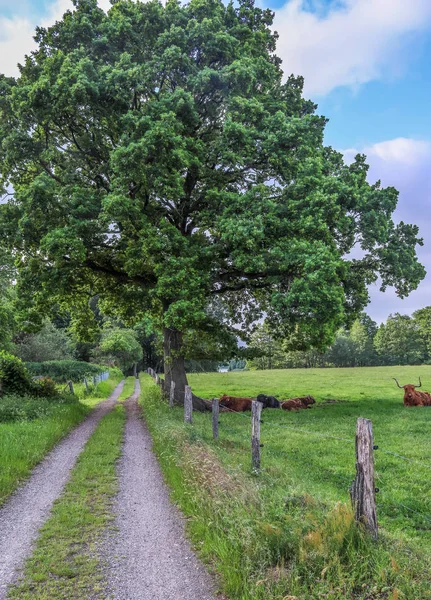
{"x":62,"y":371}
{"x":14,"y":377}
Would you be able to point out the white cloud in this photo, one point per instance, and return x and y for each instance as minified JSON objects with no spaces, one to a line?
{"x":16,"y":34}
{"x":405,"y":152}
{"x":348,"y":45}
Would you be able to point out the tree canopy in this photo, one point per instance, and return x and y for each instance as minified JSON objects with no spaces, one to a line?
{"x":159,"y":159}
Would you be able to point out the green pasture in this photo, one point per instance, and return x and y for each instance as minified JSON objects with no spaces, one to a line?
{"x":308,"y":463}
{"x":365,"y":383}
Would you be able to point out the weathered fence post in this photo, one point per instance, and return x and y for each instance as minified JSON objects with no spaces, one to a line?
{"x":215,"y":407}
{"x":94,"y":380}
{"x":172,"y":394}
{"x":86,"y":384}
{"x":188,"y":404}
{"x":157,"y":380}
{"x":72,"y":391}
{"x":362,"y":491}
{"x":256,"y":410}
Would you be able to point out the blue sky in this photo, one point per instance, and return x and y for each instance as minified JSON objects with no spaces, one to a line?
{"x":366,"y":63}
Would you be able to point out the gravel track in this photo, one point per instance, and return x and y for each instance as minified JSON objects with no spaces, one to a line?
{"x":28,"y":508}
{"x":149,"y":558}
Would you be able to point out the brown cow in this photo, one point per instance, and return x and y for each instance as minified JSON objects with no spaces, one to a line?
{"x":298,"y":403}
{"x":412,"y":397}
{"x":293,"y":404}
{"x":235,"y":404}
{"x":307,"y":401}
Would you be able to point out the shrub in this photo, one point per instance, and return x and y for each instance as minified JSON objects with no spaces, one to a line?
{"x":66,"y":370}
{"x":14,"y":377}
{"x":45,"y":388}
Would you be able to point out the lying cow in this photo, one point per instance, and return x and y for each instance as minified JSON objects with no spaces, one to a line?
{"x":268,"y":401}
{"x":412,"y":397}
{"x":293,"y":404}
{"x":298,"y":403}
{"x":235,"y":404}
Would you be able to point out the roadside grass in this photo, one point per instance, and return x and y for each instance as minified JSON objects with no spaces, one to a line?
{"x":24,"y":443}
{"x":65,"y":561}
{"x":289,"y":532}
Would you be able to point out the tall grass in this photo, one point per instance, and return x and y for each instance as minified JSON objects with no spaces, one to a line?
{"x":289,"y":533}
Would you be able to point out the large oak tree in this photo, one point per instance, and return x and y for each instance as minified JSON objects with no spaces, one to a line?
{"x":159,"y":160}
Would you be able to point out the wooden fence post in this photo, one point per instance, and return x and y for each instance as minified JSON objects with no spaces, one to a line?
{"x":86,"y":384}
{"x":157,"y":379}
{"x":72,"y":391}
{"x":256,"y":410}
{"x":362,"y":491}
{"x":215,"y":407}
{"x":172,"y":394}
{"x":188,"y":404}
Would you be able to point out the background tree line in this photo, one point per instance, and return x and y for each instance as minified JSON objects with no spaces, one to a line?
{"x":401,"y":340}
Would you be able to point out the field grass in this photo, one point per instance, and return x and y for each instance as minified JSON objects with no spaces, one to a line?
{"x":65,"y":561}
{"x":23,"y":444}
{"x":289,"y":531}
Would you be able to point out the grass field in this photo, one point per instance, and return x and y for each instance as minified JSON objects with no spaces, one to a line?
{"x":24,"y":443}
{"x":285,"y":533}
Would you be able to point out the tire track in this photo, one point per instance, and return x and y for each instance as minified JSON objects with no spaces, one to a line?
{"x":28,"y":508}
{"x":149,"y":558}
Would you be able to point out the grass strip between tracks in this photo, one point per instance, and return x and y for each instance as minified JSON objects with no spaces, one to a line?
{"x":65,"y":562}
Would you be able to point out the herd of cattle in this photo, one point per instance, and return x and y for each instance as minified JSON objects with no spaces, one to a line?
{"x":411,"y":398}
{"x":236,"y":404}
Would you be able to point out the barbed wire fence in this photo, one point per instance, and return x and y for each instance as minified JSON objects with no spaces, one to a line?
{"x":362,"y":487}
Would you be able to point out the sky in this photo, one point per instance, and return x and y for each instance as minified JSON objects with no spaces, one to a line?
{"x":366,"y":63}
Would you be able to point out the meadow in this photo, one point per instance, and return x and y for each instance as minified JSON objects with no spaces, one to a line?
{"x":289,"y":531}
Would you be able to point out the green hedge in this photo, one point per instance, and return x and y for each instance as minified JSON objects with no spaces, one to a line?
{"x":66,"y":370}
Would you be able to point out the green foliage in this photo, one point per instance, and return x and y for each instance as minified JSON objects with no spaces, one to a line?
{"x":48,"y":344}
{"x":66,"y":370}
{"x":119,"y":347}
{"x":422,"y":318}
{"x":399,"y":341}
{"x":7,"y":314}
{"x":159,"y":159}
{"x":14,"y":377}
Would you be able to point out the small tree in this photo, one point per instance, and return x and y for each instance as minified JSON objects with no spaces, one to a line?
{"x":160,"y":160}
{"x":118,"y":347}
{"x":399,"y":341}
{"x":48,"y":344}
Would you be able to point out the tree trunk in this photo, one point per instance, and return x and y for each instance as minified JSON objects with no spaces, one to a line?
{"x":175,"y":370}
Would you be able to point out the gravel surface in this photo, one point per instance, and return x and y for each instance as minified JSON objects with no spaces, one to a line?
{"x":28,"y":508}
{"x":149,"y":558}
